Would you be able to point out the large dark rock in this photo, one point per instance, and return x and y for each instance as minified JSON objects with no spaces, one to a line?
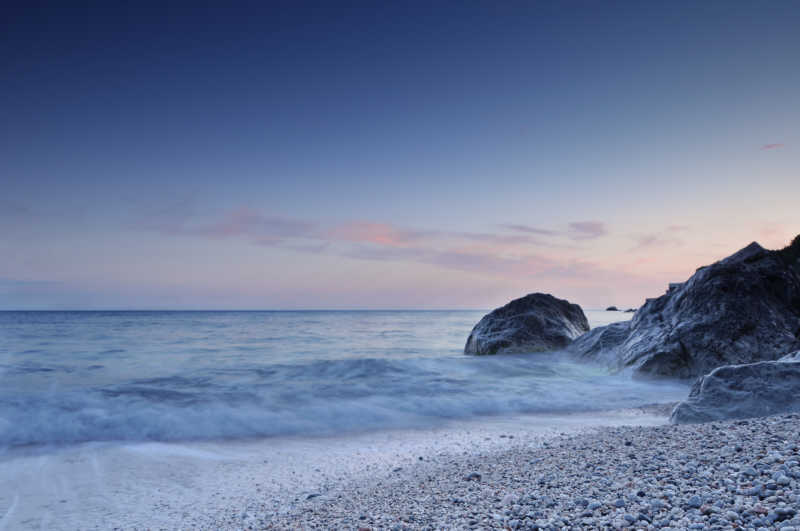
{"x":742,"y":391}
{"x":742,"y":309}
{"x":602,"y":343}
{"x":534,"y":323}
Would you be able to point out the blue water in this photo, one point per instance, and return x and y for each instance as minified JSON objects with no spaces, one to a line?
{"x":69,"y":377}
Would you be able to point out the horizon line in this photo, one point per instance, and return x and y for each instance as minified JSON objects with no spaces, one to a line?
{"x":287,"y":310}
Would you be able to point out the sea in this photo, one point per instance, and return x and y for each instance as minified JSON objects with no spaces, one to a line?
{"x":77,"y":377}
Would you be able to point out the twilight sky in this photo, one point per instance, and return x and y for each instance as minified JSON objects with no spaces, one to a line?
{"x":413,"y":155}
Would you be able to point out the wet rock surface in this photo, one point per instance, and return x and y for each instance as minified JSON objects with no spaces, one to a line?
{"x":534,"y":323}
{"x":743,"y":391}
{"x":743,"y":309}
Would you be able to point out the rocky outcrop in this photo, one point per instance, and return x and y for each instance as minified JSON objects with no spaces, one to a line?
{"x":602,"y":343}
{"x":534,"y":323}
{"x":612,"y":309}
{"x":742,"y":309}
{"x":742,"y":391}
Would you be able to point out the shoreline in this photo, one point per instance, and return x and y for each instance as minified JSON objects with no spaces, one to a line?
{"x":723,"y":475}
{"x":235,"y":484}
{"x":624,"y":469}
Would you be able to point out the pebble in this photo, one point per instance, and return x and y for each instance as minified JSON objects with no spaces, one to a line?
{"x":682,"y":477}
{"x":695,"y":502}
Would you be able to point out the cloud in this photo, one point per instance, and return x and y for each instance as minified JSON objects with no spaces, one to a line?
{"x":498,"y":239}
{"x":646,"y":240}
{"x":677,"y":228}
{"x":377,"y":233}
{"x":506,"y":255}
{"x":265,"y":229}
{"x":457,"y":259}
{"x":587,"y":230}
{"x":242,"y":222}
{"x":771,"y":146}
{"x":658,"y":239}
{"x":528,"y":229}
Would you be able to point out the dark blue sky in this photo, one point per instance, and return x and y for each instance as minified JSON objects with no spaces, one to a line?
{"x":141,"y":143}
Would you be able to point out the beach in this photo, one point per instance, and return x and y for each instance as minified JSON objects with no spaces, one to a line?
{"x":242,"y":484}
{"x":724,"y":475}
{"x":625,"y":469}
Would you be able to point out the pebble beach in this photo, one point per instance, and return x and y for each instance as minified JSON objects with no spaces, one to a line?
{"x":741,"y":474}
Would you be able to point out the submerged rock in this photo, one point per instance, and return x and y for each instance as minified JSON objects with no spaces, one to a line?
{"x":534,"y":323}
{"x":742,"y":309}
{"x":741,"y":391}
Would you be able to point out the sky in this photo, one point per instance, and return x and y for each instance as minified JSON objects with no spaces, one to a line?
{"x":389,"y":155}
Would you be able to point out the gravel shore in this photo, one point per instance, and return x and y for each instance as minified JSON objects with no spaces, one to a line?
{"x":722,"y":475}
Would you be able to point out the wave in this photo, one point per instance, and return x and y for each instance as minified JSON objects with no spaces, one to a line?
{"x":320,"y":397}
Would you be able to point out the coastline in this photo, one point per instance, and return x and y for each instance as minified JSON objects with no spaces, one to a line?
{"x":623,"y":469}
{"x":720,"y":475}
{"x":240,"y":484}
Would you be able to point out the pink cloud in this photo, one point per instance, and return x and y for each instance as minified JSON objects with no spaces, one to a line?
{"x":504,"y":256}
{"x":377,"y":233}
{"x":771,"y":146}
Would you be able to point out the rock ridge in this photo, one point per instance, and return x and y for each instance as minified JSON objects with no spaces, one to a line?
{"x":742,"y":309}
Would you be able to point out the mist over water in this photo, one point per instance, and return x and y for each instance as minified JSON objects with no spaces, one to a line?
{"x":70,"y":377}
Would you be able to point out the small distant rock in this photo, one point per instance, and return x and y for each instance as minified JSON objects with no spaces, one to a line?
{"x":612,"y":309}
{"x":472,"y":477}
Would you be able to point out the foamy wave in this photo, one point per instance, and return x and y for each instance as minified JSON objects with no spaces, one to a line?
{"x":322,"y":397}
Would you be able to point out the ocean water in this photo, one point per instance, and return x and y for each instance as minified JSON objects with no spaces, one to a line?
{"x":70,"y":377}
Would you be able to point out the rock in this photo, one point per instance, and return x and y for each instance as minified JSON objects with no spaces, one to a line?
{"x":630,"y":310}
{"x":742,"y":391}
{"x":695,"y":502}
{"x":534,"y":323}
{"x":602,"y":343}
{"x":742,"y":309}
{"x":612,"y":309}
{"x":794,"y":356}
